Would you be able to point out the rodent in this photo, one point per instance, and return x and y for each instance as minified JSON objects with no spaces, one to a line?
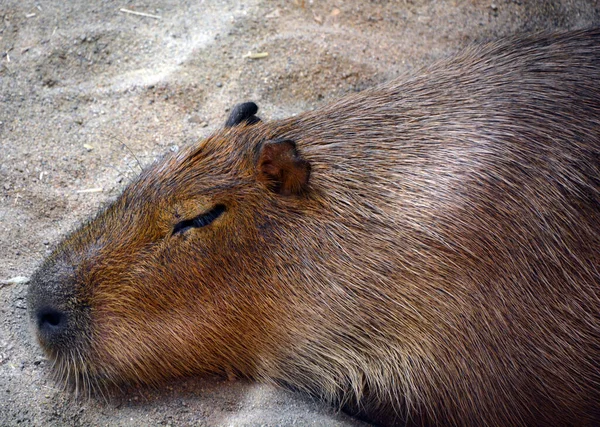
{"x":425,"y":252}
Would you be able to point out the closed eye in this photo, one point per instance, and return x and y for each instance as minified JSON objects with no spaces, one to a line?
{"x":200,"y":221}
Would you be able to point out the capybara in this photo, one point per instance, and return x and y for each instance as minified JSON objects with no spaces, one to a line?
{"x":425,"y":252}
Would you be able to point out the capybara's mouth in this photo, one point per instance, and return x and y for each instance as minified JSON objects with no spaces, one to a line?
{"x":73,"y":372}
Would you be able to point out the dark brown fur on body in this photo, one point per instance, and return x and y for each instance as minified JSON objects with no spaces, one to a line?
{"x":423,"y":252}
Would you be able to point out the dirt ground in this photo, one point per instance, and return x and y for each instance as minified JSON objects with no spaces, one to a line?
{"x":88,"y":92}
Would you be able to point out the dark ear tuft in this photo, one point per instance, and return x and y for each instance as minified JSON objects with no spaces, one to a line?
{"x":243,"y":113}
{"x":281,"y":167}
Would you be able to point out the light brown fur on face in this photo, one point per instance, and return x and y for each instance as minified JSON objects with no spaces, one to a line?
{"x":425,"y":252}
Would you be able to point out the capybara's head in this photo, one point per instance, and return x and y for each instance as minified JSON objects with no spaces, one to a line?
{"x":164,"y":281}
{"x":423,"y":252}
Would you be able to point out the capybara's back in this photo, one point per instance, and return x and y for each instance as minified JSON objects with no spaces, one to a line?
{"x":425,"y":252}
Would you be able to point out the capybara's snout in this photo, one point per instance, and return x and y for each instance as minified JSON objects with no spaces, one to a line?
{"x":59,"y":318}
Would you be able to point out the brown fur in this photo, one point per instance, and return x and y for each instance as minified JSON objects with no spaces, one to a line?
{"x":424,"y":252}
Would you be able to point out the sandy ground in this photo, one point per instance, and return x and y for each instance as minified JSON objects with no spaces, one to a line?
{"x":88,"y":92}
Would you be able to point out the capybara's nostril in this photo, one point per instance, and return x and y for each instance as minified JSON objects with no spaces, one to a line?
{"x":51,"y":322}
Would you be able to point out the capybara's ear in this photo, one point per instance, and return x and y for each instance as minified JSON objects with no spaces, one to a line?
{"x":281,"y":167}
{"x":243,"y":113}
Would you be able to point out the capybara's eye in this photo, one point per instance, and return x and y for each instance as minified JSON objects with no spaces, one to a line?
{"x":200,"y":221}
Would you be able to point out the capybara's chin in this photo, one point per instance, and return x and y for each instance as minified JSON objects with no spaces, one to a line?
{"x":425,"y":252}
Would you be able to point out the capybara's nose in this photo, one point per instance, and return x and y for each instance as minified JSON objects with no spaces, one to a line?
{"x":52,"y":324}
